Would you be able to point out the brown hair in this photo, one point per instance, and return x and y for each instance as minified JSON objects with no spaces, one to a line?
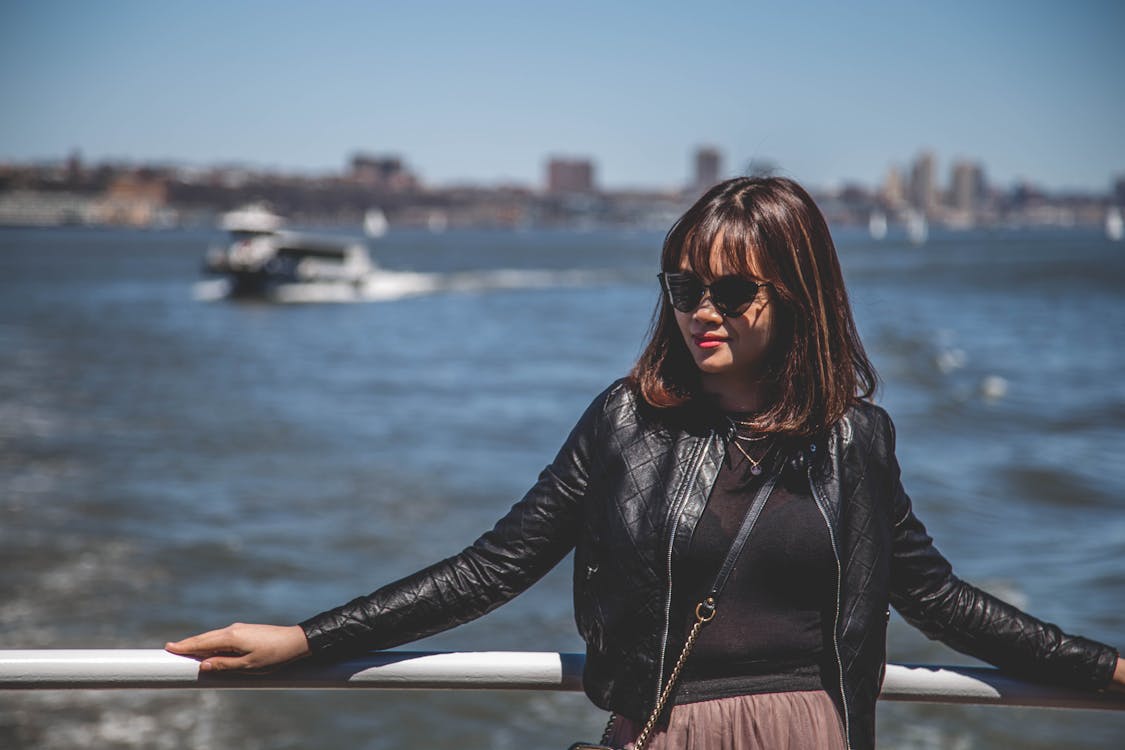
{"x":771,"y":229}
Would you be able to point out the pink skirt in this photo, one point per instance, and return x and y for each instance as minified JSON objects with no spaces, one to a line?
{"x":800,"y":720}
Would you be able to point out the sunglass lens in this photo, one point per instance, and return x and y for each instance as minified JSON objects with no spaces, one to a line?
{"x":733,"y":294}
{"x":685,"y":291}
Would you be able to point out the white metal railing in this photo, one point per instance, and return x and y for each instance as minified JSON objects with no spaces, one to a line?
{"x":506,"y":670}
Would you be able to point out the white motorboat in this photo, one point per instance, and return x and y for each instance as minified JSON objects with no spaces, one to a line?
{"x":264,"y":260}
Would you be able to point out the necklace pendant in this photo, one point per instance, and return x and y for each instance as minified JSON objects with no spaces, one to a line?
{"x":756,"y":470}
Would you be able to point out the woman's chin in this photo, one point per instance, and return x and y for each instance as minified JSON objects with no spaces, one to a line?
{"x":713,"y":365}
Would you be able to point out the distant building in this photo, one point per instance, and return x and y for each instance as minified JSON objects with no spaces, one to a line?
{"x":967,"y":186}
{"x":134,"y":199}
{"x":708,"y":168}
{"x":74,"y":171}
{"x":570,"y":175}
{"x":923,"y":191}
{"x":47,"y":208}
{"x":893,"y":193}
{"x":1119,"y":191}
{"x":1025,"y":194}
{"x":385,"y":172}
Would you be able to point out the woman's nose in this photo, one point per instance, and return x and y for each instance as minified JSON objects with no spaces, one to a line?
{"x":706,"y":310}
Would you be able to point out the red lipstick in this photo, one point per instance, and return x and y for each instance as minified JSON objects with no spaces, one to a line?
{"x":707,"y":340}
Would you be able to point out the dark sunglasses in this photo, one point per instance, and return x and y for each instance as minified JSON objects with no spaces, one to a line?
{"x":730,"y":295}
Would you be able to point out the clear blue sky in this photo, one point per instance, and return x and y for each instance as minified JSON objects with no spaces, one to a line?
{"x":485,"y":91}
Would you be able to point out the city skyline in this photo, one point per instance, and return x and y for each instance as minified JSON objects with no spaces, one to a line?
{"x":485,"y":95}
{"x":921,"y":180}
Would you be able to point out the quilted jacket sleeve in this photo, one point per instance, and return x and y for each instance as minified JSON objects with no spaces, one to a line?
{"x":521,"y":548}
{"x":929,"y":596}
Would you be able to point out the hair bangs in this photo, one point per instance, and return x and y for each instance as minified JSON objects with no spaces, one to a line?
{"x":721,"y":243}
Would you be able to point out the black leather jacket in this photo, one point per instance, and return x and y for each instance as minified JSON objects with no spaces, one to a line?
{"x":626,"y":491}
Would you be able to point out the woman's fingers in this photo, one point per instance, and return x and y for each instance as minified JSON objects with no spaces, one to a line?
{"x":206,"y":644}
{"x":223,"y":663}
{"x":243,"y":647}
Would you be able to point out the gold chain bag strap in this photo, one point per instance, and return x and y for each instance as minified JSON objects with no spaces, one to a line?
{"x":704,"y":613}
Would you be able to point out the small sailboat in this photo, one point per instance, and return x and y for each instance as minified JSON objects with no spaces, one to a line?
{"x":1114,"y":224}
{"x":877,"y":225}
{"x":375,"y":222}
{"x":437,"y":222}
{"x":916,"y":228}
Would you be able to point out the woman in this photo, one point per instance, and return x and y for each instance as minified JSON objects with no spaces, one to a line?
{"x":753,"y":388}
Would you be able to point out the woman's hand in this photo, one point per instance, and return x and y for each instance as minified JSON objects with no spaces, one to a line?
{"x":1118,"y":683}
{"x":243,"y":647}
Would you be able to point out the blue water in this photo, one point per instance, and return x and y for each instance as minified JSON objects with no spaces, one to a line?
{"x":171,"y":463}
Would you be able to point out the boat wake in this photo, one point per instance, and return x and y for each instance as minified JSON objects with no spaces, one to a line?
{"x":385,"y":286}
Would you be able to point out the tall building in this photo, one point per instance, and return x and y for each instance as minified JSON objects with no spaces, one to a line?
{"x":570,"y":175}
{"x":74,"y":166}
{"x":893,"y":193}
{"x":967,"y":186}
{"x":923,"y":192}
{"x":708,"y":168}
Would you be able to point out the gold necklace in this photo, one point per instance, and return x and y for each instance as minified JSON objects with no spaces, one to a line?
{"x":755,"y":466}
{"x":736,"y":423}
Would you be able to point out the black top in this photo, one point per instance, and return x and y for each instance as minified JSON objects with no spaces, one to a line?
{"x":774,"y":616}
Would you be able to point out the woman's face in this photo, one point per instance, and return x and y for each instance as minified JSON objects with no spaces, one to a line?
{"x":727,"y":349}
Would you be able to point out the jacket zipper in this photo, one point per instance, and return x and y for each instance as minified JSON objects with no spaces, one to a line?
{"x":822,"y":507}
{"x":674,"y":515}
